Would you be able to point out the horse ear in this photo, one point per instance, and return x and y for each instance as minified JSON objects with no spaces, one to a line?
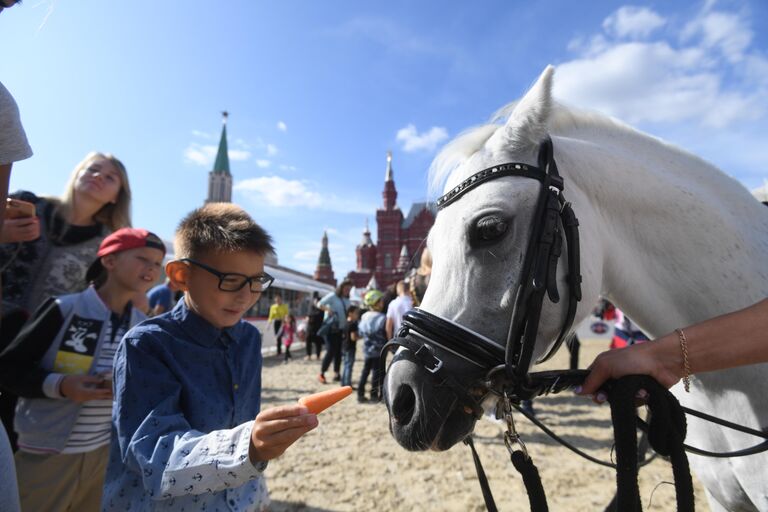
{"x":527,"y":124}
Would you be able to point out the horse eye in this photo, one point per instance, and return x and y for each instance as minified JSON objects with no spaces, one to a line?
{"x":489,"y":229}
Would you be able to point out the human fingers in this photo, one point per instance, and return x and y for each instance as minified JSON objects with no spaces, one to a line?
{"x":17,"y":230}
{"x":282,"y":411}
{"x":599,"y":372}
{"x":89,"y":380}
{"x":266,"y":427}
{"x":268,"y":446}
{"x":284,"y":437}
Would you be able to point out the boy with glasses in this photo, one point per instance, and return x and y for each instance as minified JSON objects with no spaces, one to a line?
{"x":187,"y":431}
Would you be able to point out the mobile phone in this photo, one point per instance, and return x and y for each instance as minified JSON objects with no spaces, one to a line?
{"x":16,"y":209}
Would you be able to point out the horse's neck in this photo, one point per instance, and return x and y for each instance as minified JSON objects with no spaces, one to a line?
{"x":680,"y":241}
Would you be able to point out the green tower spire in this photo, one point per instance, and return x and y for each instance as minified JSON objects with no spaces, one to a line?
{"x":325,"y":257}
{"x":221,"y":166}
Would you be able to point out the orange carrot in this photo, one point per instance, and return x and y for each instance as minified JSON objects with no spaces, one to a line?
{"x":319,"y":402}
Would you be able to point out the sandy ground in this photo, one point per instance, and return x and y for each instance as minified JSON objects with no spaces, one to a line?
{"x":351,"y":462}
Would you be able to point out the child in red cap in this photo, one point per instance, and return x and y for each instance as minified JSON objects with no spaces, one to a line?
{"x":60,"y":365}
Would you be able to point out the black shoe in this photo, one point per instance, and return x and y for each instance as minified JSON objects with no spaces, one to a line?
{"x":362,"y":400}
{"x":336,"y":378}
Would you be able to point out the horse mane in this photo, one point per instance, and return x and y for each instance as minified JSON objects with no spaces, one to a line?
{"x":563,"y":121}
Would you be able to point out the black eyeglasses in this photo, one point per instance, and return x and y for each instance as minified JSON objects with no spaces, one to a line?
{"x":229,"y":282}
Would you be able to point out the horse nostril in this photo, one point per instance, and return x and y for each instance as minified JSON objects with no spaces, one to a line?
{"x":403,"y":405}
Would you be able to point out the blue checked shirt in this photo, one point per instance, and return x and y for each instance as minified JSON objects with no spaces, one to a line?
{"x":186,"y":395}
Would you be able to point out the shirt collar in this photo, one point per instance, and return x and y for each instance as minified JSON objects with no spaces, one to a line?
{"x":200,"y":330}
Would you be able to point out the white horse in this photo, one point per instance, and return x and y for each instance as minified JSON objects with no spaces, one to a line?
{"x":667,"y":237}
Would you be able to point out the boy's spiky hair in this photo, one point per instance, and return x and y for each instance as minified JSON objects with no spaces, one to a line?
{"x":219,"y":227}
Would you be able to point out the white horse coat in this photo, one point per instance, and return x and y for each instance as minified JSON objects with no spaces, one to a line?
{"x":667,"y":237}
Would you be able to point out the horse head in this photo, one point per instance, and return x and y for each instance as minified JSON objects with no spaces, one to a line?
{"x":479,"y":245}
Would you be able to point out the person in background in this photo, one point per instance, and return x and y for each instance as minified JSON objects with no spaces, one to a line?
{"x":735,"y":339}
{"x":13,"y":148}
{"x":161,"y":298}
{"x":48,"y":254}
{"x":418,"y":279}
{"x":372,"y":330}
{"x":314,"y":322}
{"x":287,"y":333}
{"x":60,"y":366}
{"x":397,"y":308}
{"x":625,"y":332}
{"x":188,"y":433}
{"x":335,"y":305}
{"x":277,"y":312}
{"x":349,"y":345}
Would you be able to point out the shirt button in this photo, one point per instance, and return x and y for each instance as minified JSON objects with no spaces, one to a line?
{"x":236,"y":386}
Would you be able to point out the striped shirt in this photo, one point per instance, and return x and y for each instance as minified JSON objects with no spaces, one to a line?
{"x":94,"y":423}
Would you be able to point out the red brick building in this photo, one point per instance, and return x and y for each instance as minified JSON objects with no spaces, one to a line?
{"x":400,"y":239}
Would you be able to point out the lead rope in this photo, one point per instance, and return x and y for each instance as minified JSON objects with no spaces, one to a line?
{"x":521,"y":460}
{"x":666,"y":433}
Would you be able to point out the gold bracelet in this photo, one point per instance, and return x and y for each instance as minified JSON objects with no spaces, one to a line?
{"x":686,"y":364}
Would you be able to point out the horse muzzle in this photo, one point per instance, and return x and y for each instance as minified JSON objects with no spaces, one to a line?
{"x":429,"y":408}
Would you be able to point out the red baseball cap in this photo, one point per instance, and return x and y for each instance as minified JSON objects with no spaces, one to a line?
{"x":122,"y":240}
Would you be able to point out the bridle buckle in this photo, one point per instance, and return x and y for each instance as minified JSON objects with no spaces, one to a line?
{"x":431,"y":363}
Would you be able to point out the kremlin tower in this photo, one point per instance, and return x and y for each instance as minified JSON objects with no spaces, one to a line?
{"x":220,"y":179}
{"x":324,"y":270}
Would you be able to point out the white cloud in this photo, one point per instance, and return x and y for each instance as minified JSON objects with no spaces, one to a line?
{"x":239,"y":154}
{"x":414,"y":141}
{"x":307,"y":255}
{"x":282,"y":126}
{"x":205,"y":154}
{"x":271,"y":149}
{"x":202,"y":135}
{"x":263,"y":163}
{"x":200,"y":155}
{"x":633,"y":22}
{"x":278,"y":192}
{"x":666,"y":81}
{"x":284,"y":167}
{"x":726,"y":32}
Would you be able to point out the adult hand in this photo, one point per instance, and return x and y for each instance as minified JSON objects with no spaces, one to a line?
{"x":661,"y":359}
{"x":23,"y":229}
{"x":278,"y":428}
{"x":82,"y":388}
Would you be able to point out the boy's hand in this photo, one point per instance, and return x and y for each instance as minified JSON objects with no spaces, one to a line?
{"x":278,"y":428}
{"x":82,"y":388}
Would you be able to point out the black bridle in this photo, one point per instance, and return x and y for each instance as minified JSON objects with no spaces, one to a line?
{"x":506,"y":367}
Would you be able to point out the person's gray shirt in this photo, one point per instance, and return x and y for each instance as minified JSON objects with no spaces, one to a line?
{"x":13,"y":140}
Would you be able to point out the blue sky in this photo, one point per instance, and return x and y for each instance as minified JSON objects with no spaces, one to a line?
{"x":319,"y":91}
